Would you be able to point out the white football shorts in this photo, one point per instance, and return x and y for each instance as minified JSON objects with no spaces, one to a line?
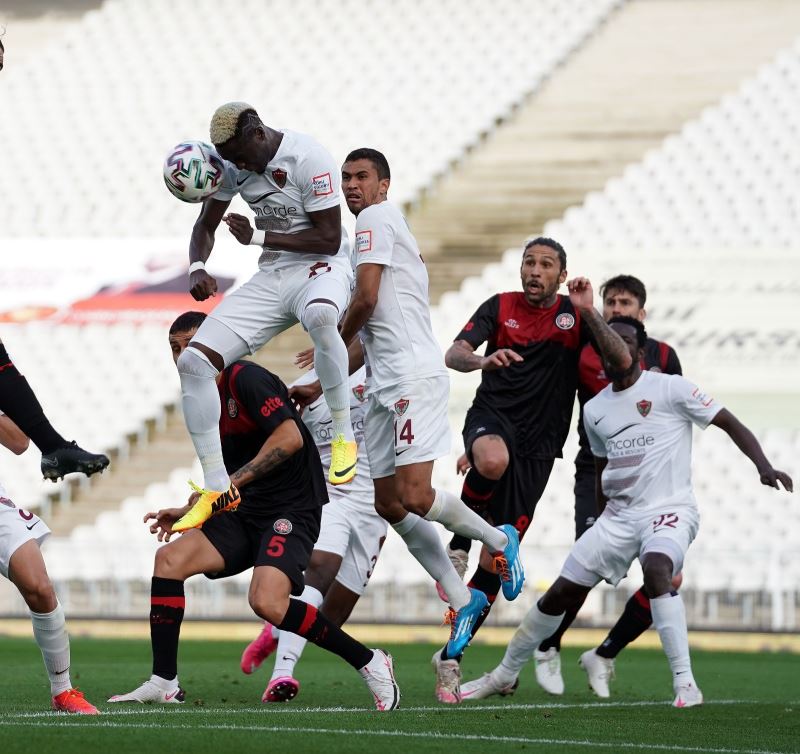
{"x":271,"y":302}
{"x":607,"y":549}
{"x":353,"y":530}
{"x":407,"y":423}
{"x":17,"y":526}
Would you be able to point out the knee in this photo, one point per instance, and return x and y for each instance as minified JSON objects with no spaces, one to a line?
{"x":492,"y":465}
{"x":39,"y":594}
{"x":390,"y":509}
{"x":196,"y":363}
{"x":268,"y":607}
{"x":320,"y":314}
{"x":560,"y":597}
{"x":657,"y":573}
{"x":168,"y":563}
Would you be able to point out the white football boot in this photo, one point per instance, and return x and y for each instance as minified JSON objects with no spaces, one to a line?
{"x":155,"y":689}
{"x":548,"y":671}
{"x":687,"y":695}
{"x":448,"y":679}
{"x":378,"y":674}
{"x":600,"y":671}
{"x":487,"y":685}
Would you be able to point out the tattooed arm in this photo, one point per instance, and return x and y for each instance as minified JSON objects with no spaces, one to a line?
{"x":282,"y":443}
{"x":611,"y":347}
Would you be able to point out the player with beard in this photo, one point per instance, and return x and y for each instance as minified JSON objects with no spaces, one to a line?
{"x":520,"y":417}
{"x":640,"y":431}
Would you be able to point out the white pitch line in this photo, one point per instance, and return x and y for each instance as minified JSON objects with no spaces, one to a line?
{"x":178,"y":709}
{"x":72,"y":722}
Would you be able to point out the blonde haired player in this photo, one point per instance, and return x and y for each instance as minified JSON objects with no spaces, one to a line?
{"x":292,"y":186}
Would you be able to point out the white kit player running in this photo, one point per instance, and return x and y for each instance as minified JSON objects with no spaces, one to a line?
{"x":640,"y":432}
{"x":407,"y":426}
{"x":21,"y":535}
{"x":344,"y":556}
{"x":291,"y":183}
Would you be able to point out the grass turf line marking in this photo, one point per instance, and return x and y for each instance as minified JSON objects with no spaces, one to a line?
{"x":267,"y":710}
{"x":71,"y":722}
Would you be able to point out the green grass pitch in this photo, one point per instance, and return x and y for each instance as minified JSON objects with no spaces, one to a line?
{"x":753,"y":705}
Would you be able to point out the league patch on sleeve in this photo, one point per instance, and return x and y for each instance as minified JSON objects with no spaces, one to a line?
{"x":702,"y":398}
{"x":363,"y":241}
{"x":322,"y":184}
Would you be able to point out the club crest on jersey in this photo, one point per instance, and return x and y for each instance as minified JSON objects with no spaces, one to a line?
{"x":358,"y":392}
{"x":512,"y":323}
{"x":401,"y":406}
{"x":279,"y":176}
{"x":644,"y":407}
{"x":233,"y":409}
{"x":282,"y":526}
{"x":565,"y":321}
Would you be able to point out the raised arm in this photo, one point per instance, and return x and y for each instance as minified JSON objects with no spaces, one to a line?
{"x":611,"y":346}
{"x":746,"y":442}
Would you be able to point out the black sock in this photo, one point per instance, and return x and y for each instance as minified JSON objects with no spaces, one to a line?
{"x":167,"y":603}
{"x":306,"y":621}
{"x":460,"y":543}
{"x":636,"y":618}
{"x":476,"y":493}
{"x":19,"y":403}
{"x":569,"y":616}
{"x":477,"y":490}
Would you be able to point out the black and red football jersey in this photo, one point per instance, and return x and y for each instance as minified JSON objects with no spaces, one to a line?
{"x":254,"y":403}
{"x":536,"y":396}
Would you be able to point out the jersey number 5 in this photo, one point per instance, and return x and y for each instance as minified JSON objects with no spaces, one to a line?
{"x":275,"y":546}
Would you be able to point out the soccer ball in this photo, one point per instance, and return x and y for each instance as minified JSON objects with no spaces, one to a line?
{"x":193,"y":171}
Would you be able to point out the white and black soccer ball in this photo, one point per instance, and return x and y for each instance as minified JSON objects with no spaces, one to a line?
{"x":193,"y":171}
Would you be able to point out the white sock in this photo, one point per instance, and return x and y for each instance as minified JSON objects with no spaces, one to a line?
{"x":50,"y":632}
{"x":452,"y":513}
{"x":331,"y":363}
{"x":201,"y":411}
{"x":669,"y":618}
{"x":424,"y":544}
{"x":536,"y":626}
{"x":291,"y":646}
{"x":163,"y":683}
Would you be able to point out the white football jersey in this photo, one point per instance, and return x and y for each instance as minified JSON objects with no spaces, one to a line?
{"x":317,"y":417}
{"x":398,"y":338}
{"x":302,"y":177}
{"x":645,"y":432}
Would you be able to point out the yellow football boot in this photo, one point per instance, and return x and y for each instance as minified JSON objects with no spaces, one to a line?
{"x":208,"y":504}
{"x":343,"y":460}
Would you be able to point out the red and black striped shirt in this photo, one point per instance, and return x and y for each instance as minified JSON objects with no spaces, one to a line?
{"x":535,"y":396}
